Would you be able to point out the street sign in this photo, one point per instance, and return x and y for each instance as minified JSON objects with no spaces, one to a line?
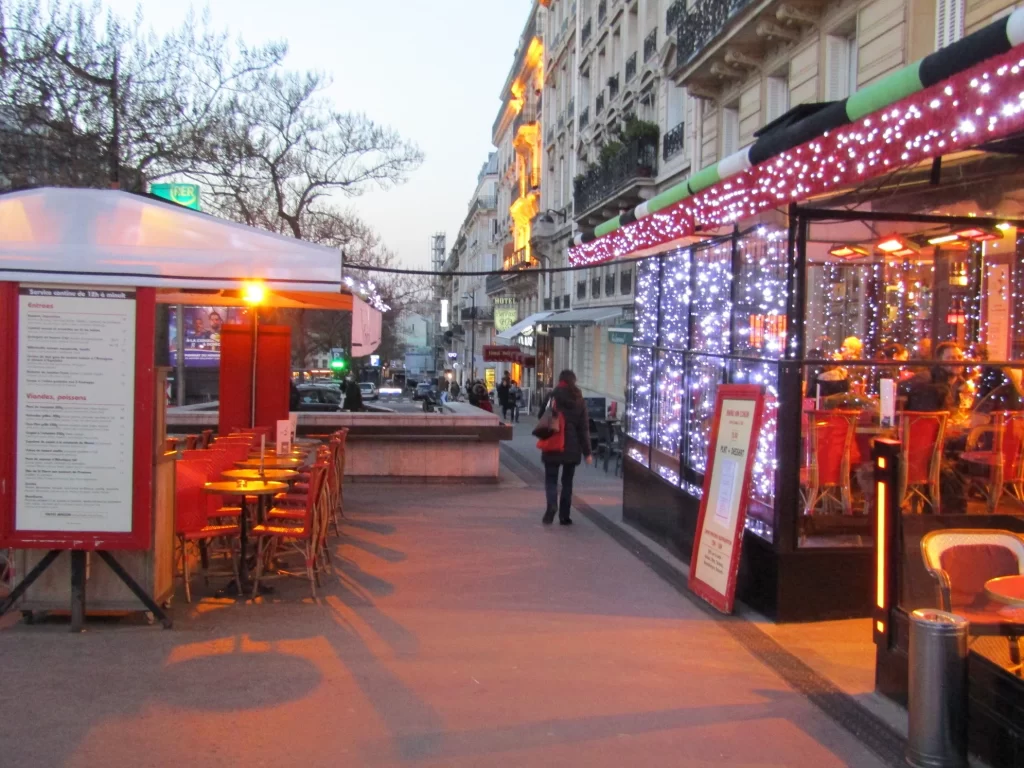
{"x":182,"y":194}
{"x":623,"y":335}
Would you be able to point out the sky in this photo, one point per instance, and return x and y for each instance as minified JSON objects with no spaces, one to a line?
{"x":431,"y":69}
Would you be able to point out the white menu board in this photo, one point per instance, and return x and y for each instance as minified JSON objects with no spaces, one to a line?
{"x":76,"y":401}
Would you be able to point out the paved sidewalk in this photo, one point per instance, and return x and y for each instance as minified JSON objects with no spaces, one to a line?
{"x":462,"y":633}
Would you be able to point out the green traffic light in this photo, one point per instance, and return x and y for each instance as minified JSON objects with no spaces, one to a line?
{"x":338,"y":365}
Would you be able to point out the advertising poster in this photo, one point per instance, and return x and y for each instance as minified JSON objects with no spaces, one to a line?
{"x":716,"y":548}
{"x":202,"y":333}
{"x":75,"y":409}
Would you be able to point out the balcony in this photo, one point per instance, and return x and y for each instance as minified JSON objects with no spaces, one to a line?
{"x":702,"y":24}
{"x":602,"y":11}
{"x":586,"y":31}
{"x":613,"y":87}
{"x":675,"y":14}
{"x":599,"y":106}
{"x":528,"y":115}
{"x":561,"y":122}
{"x":672,"y":144}
{"x":549,"y":137}
{"x":620,"y":183}
{"x":519,"y":260}
{"x":631,"y":67}
{"x":650,"y":45}
{"x":478,"y":312}
{"x":584,"y":118}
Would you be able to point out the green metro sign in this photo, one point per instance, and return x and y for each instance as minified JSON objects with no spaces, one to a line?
{"x":182,"y":194}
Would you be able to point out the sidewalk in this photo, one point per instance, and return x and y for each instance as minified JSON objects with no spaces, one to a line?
{"x":835,"y":655}
{"x":462,"y":632}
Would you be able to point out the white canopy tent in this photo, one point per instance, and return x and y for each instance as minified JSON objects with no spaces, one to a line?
{"x":108,"y":237}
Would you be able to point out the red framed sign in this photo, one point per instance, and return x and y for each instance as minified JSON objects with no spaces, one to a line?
{"x":498,"y":354}
{"x":76,"y":416}
{"x":716,"y":548}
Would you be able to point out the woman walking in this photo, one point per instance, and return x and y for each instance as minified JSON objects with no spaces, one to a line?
{"x":566,"y":401}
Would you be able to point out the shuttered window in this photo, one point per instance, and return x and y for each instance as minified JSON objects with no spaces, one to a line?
{"x":949,"y":22}
{"x":777,"y":98}
{"x":730,"y":130}
{"x":841,"y":60}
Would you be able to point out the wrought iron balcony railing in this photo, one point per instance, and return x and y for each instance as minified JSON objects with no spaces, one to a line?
{"x":636,"y":160}
{"x":672,"y":144}
{"x":528,"y":114}
{"x":599,"y":105}
{"x":702,"y":24}
{"x":584,"y":118}
{"x":675,"y":14}
{"x":650,"y":45}
{"x":585,"y":32}
{"x":519,"y":260}
{"x":478,"y":312}
{"x":570,"y":111}
{"x":613,"y":87}
{"x":631,"y":67}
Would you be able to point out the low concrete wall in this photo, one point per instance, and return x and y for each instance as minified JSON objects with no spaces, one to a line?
{"x":460,"y":443}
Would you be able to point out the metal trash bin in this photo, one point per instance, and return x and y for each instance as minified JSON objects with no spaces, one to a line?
{"x":937,"y":734}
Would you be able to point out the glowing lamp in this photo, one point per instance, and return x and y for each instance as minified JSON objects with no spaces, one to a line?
{"x":844,"y":251}
{"x":253,"y":293}
{"x":980,"y":234}
{"x":956,"y":314}
{"x":958,"y":273}
{"x":1002,"y":226}
{"x":892,"y":244}
{"x":952,"y":237}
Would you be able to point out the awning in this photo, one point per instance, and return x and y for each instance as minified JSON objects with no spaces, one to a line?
{"x":510,"y":334}
{"x":586,"y":316}
{"x":108,"y":237}
{"x":341,"y":302}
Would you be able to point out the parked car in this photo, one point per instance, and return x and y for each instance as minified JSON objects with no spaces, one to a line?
{"x":369,"y":390}
{"x":319,"y":399}
{"x":422,"y":390}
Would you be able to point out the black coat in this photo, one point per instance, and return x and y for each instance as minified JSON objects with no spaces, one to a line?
{"x":577,"y":429}
{"x":502,"y":391}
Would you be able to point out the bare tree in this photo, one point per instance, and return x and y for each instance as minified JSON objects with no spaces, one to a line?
{"x":90,"y":99}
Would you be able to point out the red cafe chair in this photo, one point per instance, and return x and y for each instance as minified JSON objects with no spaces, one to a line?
{"x":191,"y":525}
{"x":962,"y":560}
{"x":921,"y":441}
{"x":1000,"y":469}
{"x":825,"y":478}
{"x":302,"y":538}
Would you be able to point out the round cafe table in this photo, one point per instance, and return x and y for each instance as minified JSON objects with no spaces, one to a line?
{"x":254,"y":474}
{"x":270,"y":462}
{"x":261,"y":490}
{"x":1008,"y":590}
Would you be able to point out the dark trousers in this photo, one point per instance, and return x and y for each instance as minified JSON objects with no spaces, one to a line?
{"x":564,"y":502}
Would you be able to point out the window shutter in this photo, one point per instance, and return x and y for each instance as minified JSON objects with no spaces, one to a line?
{"x":838,"y":57}
{"x":730,"y":130}
{"x":949,"y":22}
{"x":777,"y":98}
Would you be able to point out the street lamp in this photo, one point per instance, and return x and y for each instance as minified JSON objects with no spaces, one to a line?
{"x":472,"y":336}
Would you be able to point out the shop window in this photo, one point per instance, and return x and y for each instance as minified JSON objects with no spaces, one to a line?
{"x":668,"y":416}
{"x":558,"y":302}
{"x":565,"y":301}
{"x":675,"y":300}
{"x":626,"y":282}
{"x":638,"y":428}
{"x":645,"y":304}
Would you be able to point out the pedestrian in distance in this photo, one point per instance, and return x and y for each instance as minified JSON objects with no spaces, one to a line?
{"x":514,"y":394}
{"x":353,"y":396}
{"x":503,"y":390}
{"x":564,"y":429}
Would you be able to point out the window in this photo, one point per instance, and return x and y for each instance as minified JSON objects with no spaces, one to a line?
{"x":581,"y":289}
{"x":675,"y":106}
{"x":565,"y":301}
{"x":949,"y":22}
{"x":609,"y":284}
{"x":595,"y":288}
{"x":558,"y":302}
{"x":626,"y":282}
{"x":841,"y":61}
{"x":777,"y":98}
{"x":730,"y":130}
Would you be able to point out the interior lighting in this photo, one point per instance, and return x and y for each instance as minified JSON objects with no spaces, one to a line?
{"x":892,"y":244}
{"x":979,"y":234}
{"x":1003,"y":226}
{"x":254,"y":293}
{"x":848,"y":251}
{"x":952,"y":237}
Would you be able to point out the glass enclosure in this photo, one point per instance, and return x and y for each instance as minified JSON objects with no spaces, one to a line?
{"x":866,"y":326}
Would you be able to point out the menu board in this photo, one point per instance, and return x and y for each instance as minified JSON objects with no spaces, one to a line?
{"x":75,"y":409}
{"x":716,"y":548}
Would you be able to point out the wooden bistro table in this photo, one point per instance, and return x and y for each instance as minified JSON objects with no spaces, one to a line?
{"x":281,"y":475}
{"x":270,"y":462}
{"x":1009,"y":590}
{"x":261,"y":490}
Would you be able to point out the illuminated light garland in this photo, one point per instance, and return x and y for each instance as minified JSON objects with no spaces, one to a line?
{"x":981,"y":104}
{"x":367,"y":291}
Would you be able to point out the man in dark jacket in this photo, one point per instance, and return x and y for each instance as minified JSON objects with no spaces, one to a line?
{"x":353,"y":396}
{"x":566,"y":400}
{"x":503,"y":390}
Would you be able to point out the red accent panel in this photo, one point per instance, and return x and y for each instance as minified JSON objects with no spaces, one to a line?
{"x":142,"y":458}
{"x":273,"y":372}
{"x":8,"y":387}
{"x":235,"y":377}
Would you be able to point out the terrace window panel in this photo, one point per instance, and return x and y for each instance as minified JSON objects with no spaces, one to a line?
{"x":674,"y":307}
{"x":668,"y":416}
{"x":638,"y":415}
{"x":646,"y":301}
{"x":759,"y":315}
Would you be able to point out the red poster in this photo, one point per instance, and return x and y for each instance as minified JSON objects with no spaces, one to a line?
{"x":499,"y":354}
{"x":717,"y":545}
